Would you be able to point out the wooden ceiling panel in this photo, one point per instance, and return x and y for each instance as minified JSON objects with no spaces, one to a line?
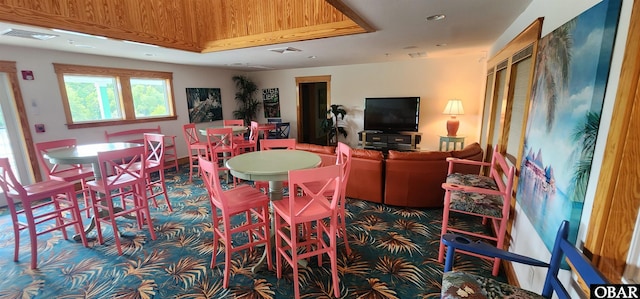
{"x":197,"y":25}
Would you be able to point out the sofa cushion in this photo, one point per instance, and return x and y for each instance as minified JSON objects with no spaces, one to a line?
{"x":418,"y":156}
{"x":367,"y":154}
{"x":321,"y":149}
{"x":472,"y":152}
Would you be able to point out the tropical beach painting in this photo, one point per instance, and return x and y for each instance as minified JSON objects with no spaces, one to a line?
{"x":570,"y":79}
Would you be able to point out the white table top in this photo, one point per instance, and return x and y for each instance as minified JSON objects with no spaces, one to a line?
{"x":271,"y":165}
{"x":86,"y":153}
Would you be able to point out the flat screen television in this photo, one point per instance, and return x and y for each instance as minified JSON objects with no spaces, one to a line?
{"x":392,"y":114}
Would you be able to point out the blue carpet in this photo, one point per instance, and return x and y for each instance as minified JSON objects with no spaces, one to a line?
{"x":394,"y":256}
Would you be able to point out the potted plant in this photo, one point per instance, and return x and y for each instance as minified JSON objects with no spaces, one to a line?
{"x":248,"y":105}
{"x":334,"y":123}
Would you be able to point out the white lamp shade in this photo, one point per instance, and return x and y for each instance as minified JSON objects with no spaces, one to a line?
{"x":454,"y":107}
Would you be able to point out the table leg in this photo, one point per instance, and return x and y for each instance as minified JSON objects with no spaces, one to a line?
{"x":276,"y":191}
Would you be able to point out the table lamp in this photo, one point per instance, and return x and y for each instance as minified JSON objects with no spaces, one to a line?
{"x":453,"y":108}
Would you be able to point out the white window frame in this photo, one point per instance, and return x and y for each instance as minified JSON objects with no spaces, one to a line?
{"x":123,"y":81}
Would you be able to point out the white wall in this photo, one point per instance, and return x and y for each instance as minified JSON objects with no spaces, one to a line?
{"x":555,"y":13}
{"x":434,"y":80}
{"x":43,"y":102}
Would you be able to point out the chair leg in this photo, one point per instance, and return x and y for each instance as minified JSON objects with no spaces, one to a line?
{"x":343,"y":228}
{"x":278,"y":246}
{"x":294,"y":262}
{"x":228,"y":251}
{"x":85,"y":196}
{"x":267,"y":235}
{"x":32,"y":237}
{"x":145,"y":208}
{"x":163,"y":186}
{"x":333,"y":256}
{"x":112,"y":219}
{"x":445,"y":222}
{"x":16,"y":232}
{"x":216,"y":238}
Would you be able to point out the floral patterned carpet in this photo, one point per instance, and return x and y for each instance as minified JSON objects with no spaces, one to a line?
{"x":394,"y":256}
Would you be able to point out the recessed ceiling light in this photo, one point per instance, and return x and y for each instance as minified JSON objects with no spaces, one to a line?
{"x":436,"y":17}
{"x":312,"y":57}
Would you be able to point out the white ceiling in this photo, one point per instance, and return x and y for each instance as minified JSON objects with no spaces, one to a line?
{"x":470,"y":26}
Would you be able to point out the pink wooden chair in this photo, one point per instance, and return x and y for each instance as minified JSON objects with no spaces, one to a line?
{"x":137,"y":136}
{"x":488,"y":197}
{"x":343,"y":158}
{"x":154,"y":162}
{"x":296,"y":212}
{"x":222,"y":146}
{"x":120,"y":178}
{"x":238,"y":138}
{"x":195,"y":147}
{"x":39,"y":212}
{"x":268,"y":144}
{"x":242,"y":200}
{"x":65,"y":172}
{"x":250,"y":145}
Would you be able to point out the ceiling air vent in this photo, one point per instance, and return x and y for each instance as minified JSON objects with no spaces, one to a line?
{"x":285,"y":50}
{"x":27,"y":34}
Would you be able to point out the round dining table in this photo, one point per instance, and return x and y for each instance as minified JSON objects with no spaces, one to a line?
{"x":234,"y":129}
{"x":86,"y":154}
{"x":272,"y":166}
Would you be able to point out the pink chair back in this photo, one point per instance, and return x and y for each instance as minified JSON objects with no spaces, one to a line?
{"x":212,"y":181}
{"x":219,"y":137}
{"x":154,"y":147}
{"x":313,"y":185}
{"x":8,"y":180}
{"x":268,"y":144}
{"x":190,"y":134}
{"x":118,"y":167}
{"x":233,"y":122}
{"x":52,"y":169}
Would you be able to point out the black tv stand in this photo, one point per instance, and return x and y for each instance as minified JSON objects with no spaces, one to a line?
{"x":385,"y":141}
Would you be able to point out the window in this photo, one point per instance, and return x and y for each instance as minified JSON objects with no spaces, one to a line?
{"x":98,"y":96}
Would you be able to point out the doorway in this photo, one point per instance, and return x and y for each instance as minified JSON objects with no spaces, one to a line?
{"x":313,"y":99}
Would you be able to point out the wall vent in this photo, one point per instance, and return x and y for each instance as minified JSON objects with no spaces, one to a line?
{"x":27,"y":34}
